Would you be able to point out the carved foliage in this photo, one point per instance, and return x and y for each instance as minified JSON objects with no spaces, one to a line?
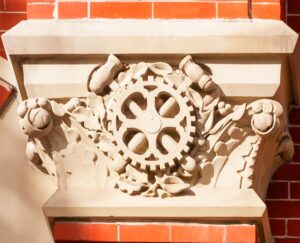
{"x":153,"y":130}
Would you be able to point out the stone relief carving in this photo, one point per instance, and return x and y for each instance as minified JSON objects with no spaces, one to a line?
{"x":154,"y":130}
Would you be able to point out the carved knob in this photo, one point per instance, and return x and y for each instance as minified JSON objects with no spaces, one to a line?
{"x":196,"y":73}
{"x":263,"y":122}
{"x":39,"y":118}
{"x":103,"y":76}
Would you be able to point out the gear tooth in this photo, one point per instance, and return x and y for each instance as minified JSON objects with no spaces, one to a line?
{"x":193,"y":118}
{"x":114,"y":85}
{"x":153,"y":167}
{"x":171,"y":163}
{"x":186,"y":148}
{"x":179,"y":156}
{"x":134,"y":163}
{"x":192,"y":129}
{"x":186,"y":99}
{"x":190,"y":140}
{"x":163,"y":166}
{"x":142,"y":166}
{"x":125,"y":156}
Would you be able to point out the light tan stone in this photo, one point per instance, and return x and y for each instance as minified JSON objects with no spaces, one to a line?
{"x":157,"y":36}
{"x":155,"y":124}
{"x":162,"y":133}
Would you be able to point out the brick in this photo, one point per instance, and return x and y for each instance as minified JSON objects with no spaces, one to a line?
{"x":135,"y":10}
{"x":40,"y":1}
{"x":293,"y":228}
{"x":5,"y":92}
{"x":277,"y":227}
{"x":287,"y":240}
{"x":40,"y":11}
{"x":144,"y":233}
{"x":266,"y":11}
{"x":293,"y":6}
{"x":8,"y":20}
{"x":266,"y":1}
{"x":295,"y":190}
{"x":72,"y":10}
{"x":278,"y":190}
{"x":294,"y":22}
{"x":241,"y":234}
{"x":16,"y":5}
{"x":232,"y":10}
{"x":3,"y":54}
{"x":202,"y":233}
{"x":2,"y":5}
{"x":288,"y":172}
{"x":1,"y":43}
{"x":295,"y":133}
{"x":294,"y":115}
{"x":283,"y":209}
{"x":184,"y":10}
{"x":296,"y":157}
{"x":86,"y":232}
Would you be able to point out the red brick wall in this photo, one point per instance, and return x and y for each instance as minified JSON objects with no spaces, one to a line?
{"x":284,"y":192}
{"x":11,"y":13}
{"x":167,"y":232}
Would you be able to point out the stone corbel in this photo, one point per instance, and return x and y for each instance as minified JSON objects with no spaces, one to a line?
{"x":176,"y":137}
{"x":152,"y":130}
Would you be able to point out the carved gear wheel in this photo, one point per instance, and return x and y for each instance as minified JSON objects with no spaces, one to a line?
{"x":152,"y":124}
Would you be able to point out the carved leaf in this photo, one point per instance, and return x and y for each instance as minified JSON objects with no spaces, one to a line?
{"x":173,"y":185}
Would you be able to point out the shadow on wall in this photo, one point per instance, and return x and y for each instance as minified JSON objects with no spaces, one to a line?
{"x":23,"y":190}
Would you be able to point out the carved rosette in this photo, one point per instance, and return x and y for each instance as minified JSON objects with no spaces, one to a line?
{"x":150,"y":129}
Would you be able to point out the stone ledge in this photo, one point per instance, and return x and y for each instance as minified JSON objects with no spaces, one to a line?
{"x":213,"y":205}
{"x":150,"y":37}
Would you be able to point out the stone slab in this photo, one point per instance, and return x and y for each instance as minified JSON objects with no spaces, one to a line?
{"x":153,"y":37}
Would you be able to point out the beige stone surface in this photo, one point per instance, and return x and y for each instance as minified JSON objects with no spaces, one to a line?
{"x":23,"y":190}
{"x":156,"y":131}
{"x":152,"y":37}
{"x":218,"y":43}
